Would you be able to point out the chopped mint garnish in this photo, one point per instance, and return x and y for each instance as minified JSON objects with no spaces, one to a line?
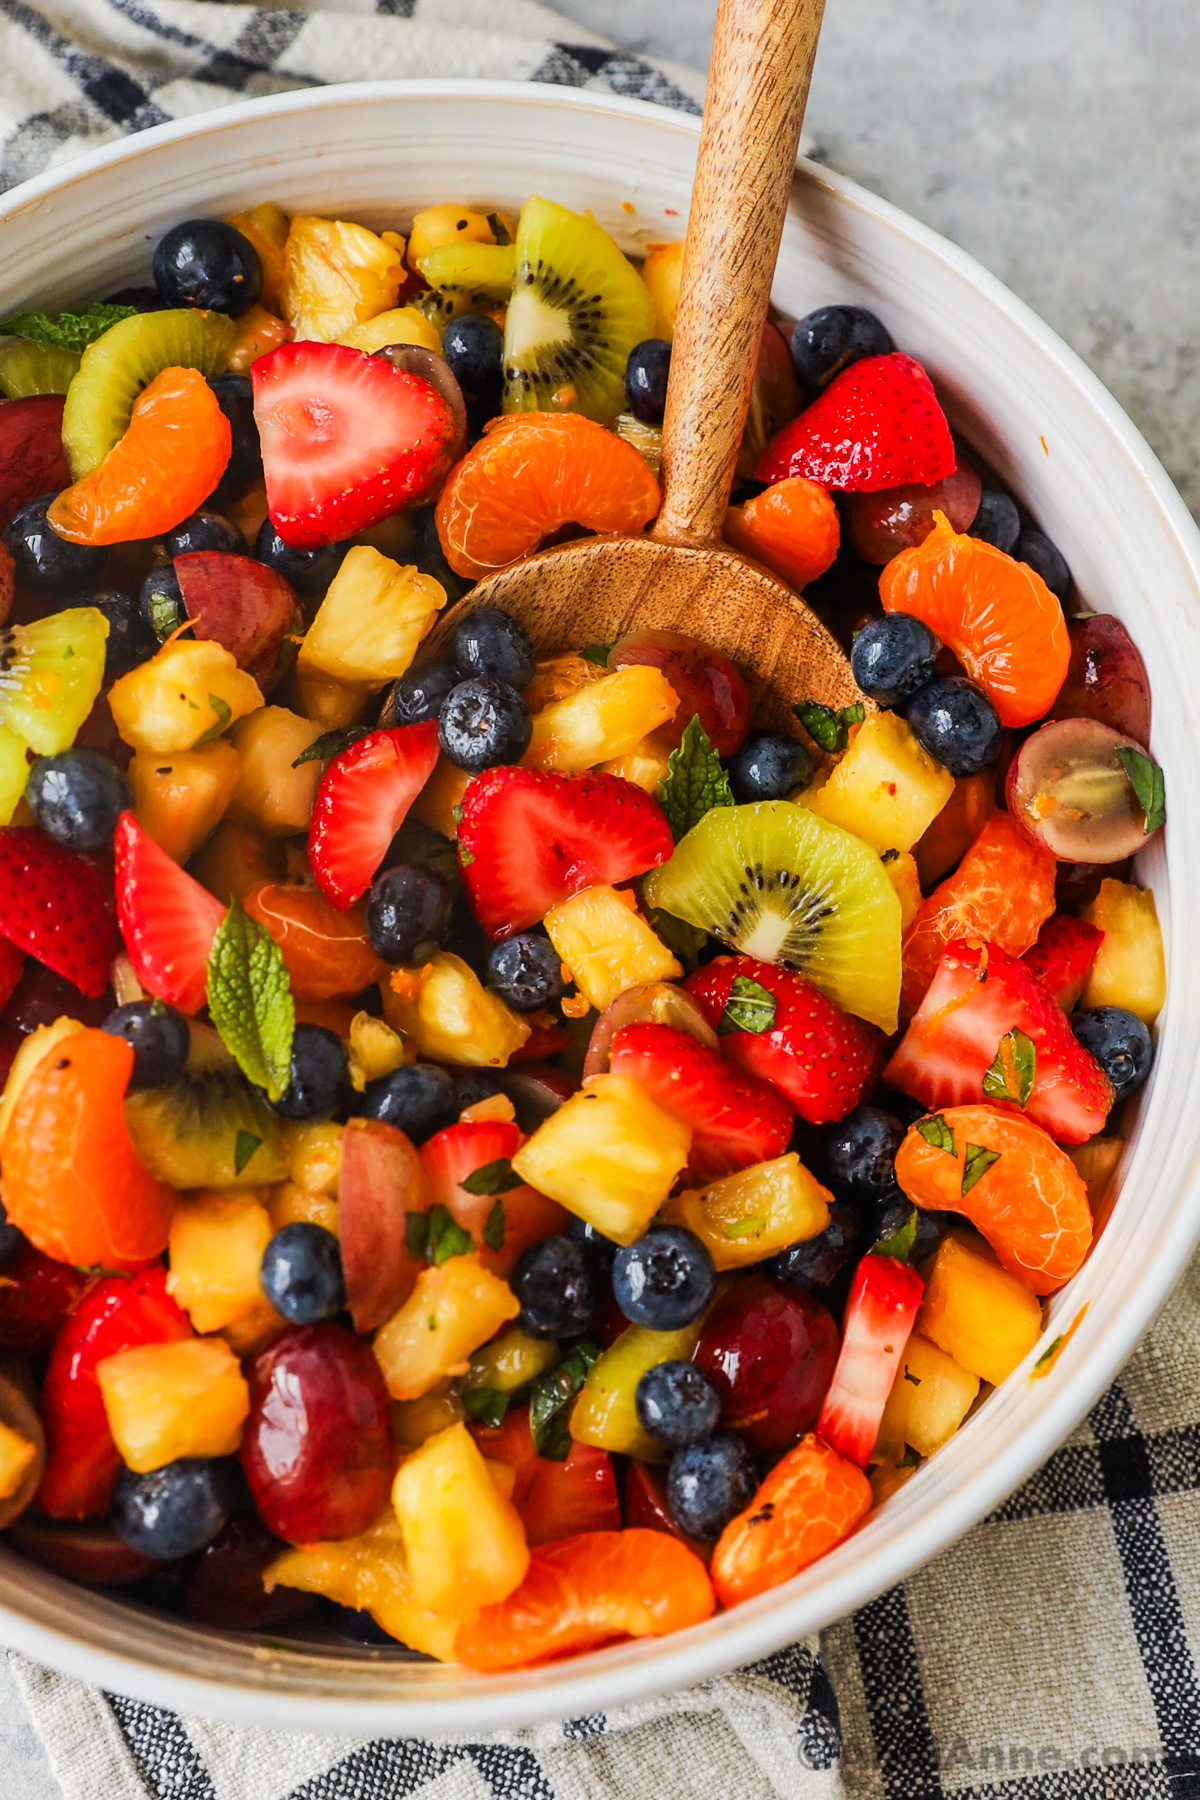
{"x":751,"y":1226}
{"x":694,"y":783}
{"x":909,"y":1460}
{"x":1049,"y":1353}
{"x":898,"y":1244}
{"x":1146,"y":780}
{"x":500,"y":230}
{"x":909,"y":1376}
{"x":596,"y":653}
{"x":446,"y":1236}
{"x":223,"y":716}
{"x":244,"y":1146}
{"x":1012,"y":1074}
{"x":496,"y":1227}
{"x":682,"y":940}
{"x":551,"y":1394}
{"x":465,"y":857}
{"x":827,"y":727}
{"x":750,"y":1007}
{"x":497,"y":1177}
{"x":937,"y":1134}
{"x":68,"y":330}
{"x":978,"y":1162}
{"x":332,"y":743}
{"x":250,"y":1000}
{"x":889,"y":856}
{"x":416,"y":1232}
{"x":487,"y":1406}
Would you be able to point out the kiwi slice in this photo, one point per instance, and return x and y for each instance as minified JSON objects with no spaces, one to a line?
{"x":210,"y":1128}
{"x":578,"y":307}
{"x":50,"y":674}
{"x":29,"y":368}
{"x":118,"y":365}
{"x":774,"y":881}
{"x":481,"y":271}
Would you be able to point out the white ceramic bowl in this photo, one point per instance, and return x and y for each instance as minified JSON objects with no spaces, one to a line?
{"x":377,"y":153}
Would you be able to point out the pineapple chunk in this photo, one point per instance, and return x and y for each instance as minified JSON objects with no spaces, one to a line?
{"x":336,"y":275}
{"x":415,"y":1420}
{"x":930,"y":1398}
{"x":450,"y":1016}
{"x":602,"y":720}
{"x":333,"y":705}
{"x":271,"y":795}
{"x":235,"y":860}
{"x":661,"y":272}
{"x":449,"y":223}
{"x":886,"y":789}
{"x":439,"y":803}
{"x":510,"y":1362}
{"x":371,"y":1574}
{"x":450,"y":1312}
{"x":216,"y":1241}
{"x":189,"y":692}
{"x":266,"y":225}
{"x":164,"y":1401}
{"x":14,"y":770}
{"x":607,"y":945}
{"x":887,"y":1479}
{"x":403,"y":325}
{"x":464,"y":1541}
{"x":1129,"y":970}
{"x":313,"y":1154}
{"x":182,"y":799}
{"x":977,"y":1313}
{"x":609,"y":1154}
{"x":290,"y":1205}
{"x":902,"y":873}
{"x":258,"y":333}
{"x":249,"y":1336}
{"x":17,"y":1456}
{"x":374,"y":614}
{"x":604,"y":1413}
{"x":645,"y":765}
{"x":375,"y":1050}
{"x":558,"y":676}
{"x":745,"y":1217}
{"x":32,"y":1049}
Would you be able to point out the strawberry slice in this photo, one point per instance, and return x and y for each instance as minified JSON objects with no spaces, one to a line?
{"x":529,"y":839}
{"x":554,"y":1499}
{"x":736,"y":1119}
{"x":503,"y":1215}
{"x":880,"y":1309}
{"x":57,"y":905}
{"x":987,"y":1030}
{"x":788,"y":1034}
{"x":167,"y":919}
{"x":1063,"y":956}
{"x":32,"y":458}
{"x":876,"y":425}
{"x":362,"y":801}
{"x":346,"y":439}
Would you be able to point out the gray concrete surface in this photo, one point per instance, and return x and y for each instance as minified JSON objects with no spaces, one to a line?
{"x":1058,"y":141}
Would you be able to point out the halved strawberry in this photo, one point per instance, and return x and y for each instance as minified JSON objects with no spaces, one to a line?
{"x":529,"y":839}
{"x":554,"y":1499}
{"x":987,"y":1030}
{"x":503,"y":1215}
{"x":796,"y":1039}
{"x":1063,"y":956}
{"x":346,"y":439}
{"x":57,"y":905}
{"x":878,"y":424}
{"x":168,"y":920}
{"x":880,"y":1309}
{"x":736,"y":1119}
{"x":362,"y":801}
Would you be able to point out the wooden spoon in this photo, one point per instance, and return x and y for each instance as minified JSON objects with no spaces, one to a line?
{"x":682,"y":577}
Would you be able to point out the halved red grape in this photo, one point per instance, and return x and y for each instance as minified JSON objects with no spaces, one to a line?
{"x":226,"y":1587}
{"x":86,"y":1550}
{"x":242,"y":605}
{"x":36,"y":1294}
{"x":708,"y":684}
{"x":771,"y":1353}
{"x":536,"y":1090}
{"x":881,"y":525}
{"x":650,"y":1002}
{"x":32,"y":459}
{"x":1072,"y":788}
{"x":1106,"y":678}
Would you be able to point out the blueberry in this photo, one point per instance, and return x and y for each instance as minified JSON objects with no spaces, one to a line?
{"x":205,"y":262}
{"x":408,"y":908}
{"x":815,"y":1263}
{"x":10,"y":1238}
{"x":828,"y":340}
{"x":354,"y":1627}
{"x":677,"y":1403}
{"x":309,"y":572}
{"x":526,"y":972}
{"x":77,"y":797}
{"x":887,"y":1220}
{"x":483,"y":723}
{"x":302,"y":1275}
{"x":473,"y":345}
{"x":709,"y":1483}
{"x":418,"y":1098}
{"x":901,"y":1106}
{"x":425,"y":550}
{"x":555,"y":1283}
{"x":931,"y":1229}
{"x":160,"y":602}
{"x":1046,"y":559}
{"x":602,"y":1250}
{"x":858,"y":1156}
{"x":492,"y":643}
{"x":894,"y":656}
{"x":421,"y":693}
{"x":416,"y":842}
{"x":956,"y":722}
{"x":174,"y":1510}
{"x":768,"y":766}
{"x":665,"y":1279}
{"x":160,"y":1040}
{"x":1120,"y":1043}
{"x":997,"y":521}
{"x":473,"y":1085}
{"x":235,"y":397}
{"x":47,"y":566}
{"x":646,"y":373}
{"x":130,"y":639}
{"x":319,"y":1082}
{"x":205,"y":530}
{"x":142,"y":299}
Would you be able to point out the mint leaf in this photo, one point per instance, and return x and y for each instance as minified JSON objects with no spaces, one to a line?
{"x":682,"y":940}
{"x":500,"y":231}
{"x":751,"y":1226}
{"x":978,"y":1162}
{"x":487,"y":1406}
{"x":250,"y":1001}
{"x":224,"y":714}
{"x":694,"y":782}
{"x":1146,"y":780}
{"x":915,"y":1379}
{"x":332,"y":743}
{"x":898,"y":1244}
{"x":416,"y":1232}
{"x":1012,"y":1074}
{"x":937,"y":1134}
{"x":889,"y":856}
{"x":497,"y":1177}
{"x":596,"y":653}
{"x":750,"y":1007}
{"x":551,"y":1394}
{"x":446,"y":1236}
{"x":244,"y":1146}
{"x":825,"y":726}
{"x":1048,"y":1354}
{"x":496,"y":1228}
{"x":69,"y":330}
{"x":910,"y":1459}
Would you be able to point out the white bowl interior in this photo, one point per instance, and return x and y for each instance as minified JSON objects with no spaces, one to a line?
{"x":377,"y":154}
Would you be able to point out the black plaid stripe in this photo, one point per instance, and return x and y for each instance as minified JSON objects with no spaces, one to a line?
{"x":162,"y":1751}
{"x":577,"y":1731}
{"x":899,"y":1719}
{"x":576,"y":65}
{"x":114,"y":92}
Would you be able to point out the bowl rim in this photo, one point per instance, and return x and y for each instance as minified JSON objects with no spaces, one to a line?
{"x":602,"y":1680}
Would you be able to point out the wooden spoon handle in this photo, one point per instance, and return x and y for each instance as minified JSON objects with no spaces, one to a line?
{"x":758,"y":80}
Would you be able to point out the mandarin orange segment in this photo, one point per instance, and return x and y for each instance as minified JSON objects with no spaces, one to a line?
{"x":1011,"y":1180}
{"x":996,"y":614}
{"x":72,"y":1181}
{"x":529,"y":475}
{"x":170,"y":459}
{"x":1002,"y":892}
{"x":811,"y":1500}
{"x":792,"y":527}
{"x":586,"y":1590}
{"x":326,"y":951}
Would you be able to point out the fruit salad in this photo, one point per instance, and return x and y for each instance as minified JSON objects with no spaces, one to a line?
{"x":503,"y":1150}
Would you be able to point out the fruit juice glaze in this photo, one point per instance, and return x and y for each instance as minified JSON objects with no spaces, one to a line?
{"x":501,"y":1154}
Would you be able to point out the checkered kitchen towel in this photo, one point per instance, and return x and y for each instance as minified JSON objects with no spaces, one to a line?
{"x":1052,"y":1652}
